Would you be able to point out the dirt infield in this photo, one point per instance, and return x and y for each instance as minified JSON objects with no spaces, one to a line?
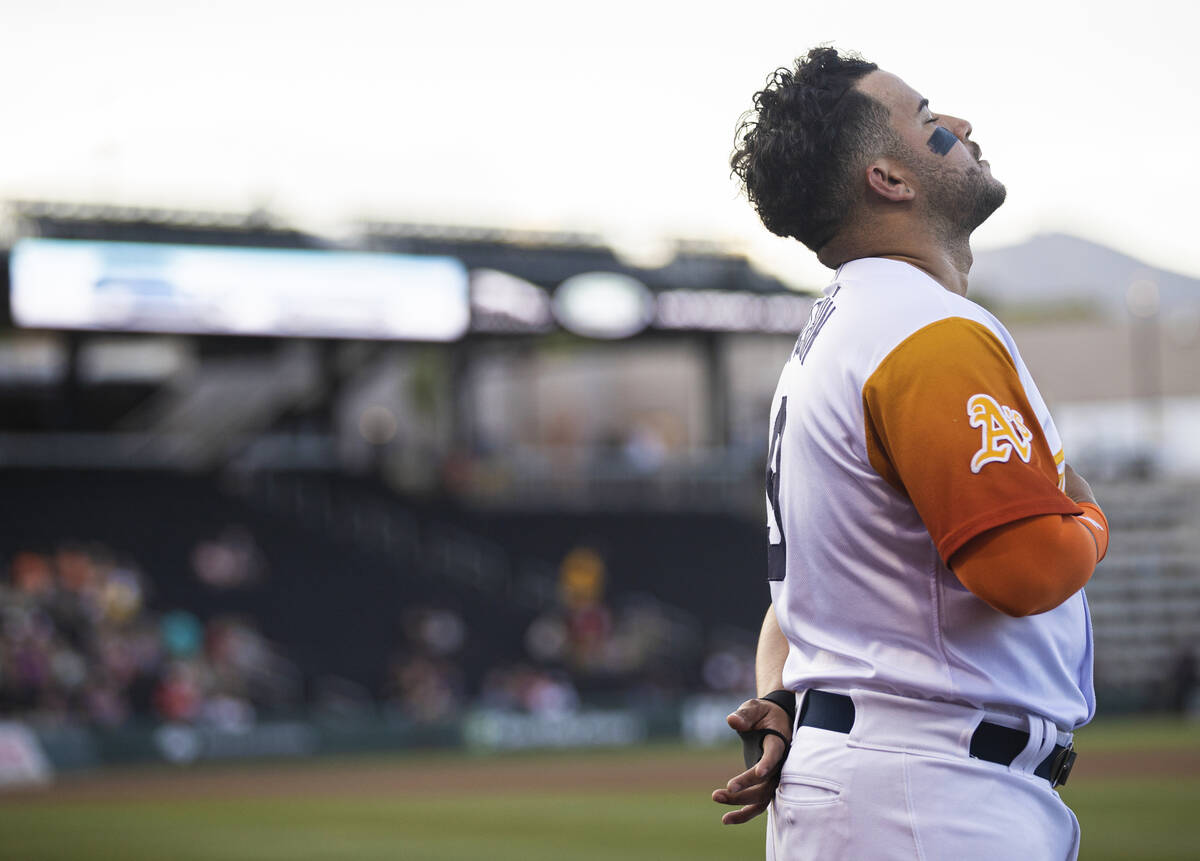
{"x":424,"y":775}
{"x":428,"y":775}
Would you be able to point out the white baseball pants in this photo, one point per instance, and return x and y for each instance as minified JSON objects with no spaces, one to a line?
{"x":902,"y":787}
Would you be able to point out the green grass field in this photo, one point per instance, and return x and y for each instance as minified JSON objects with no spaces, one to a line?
{"x":525,"y":827}
{"x":650,"y":804}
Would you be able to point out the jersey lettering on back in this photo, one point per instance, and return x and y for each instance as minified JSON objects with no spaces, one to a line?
{"x":817,"y":318}
{"x":776,"y":543}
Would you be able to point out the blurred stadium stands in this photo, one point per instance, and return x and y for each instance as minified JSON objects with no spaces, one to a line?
{"x":558,"y":510}
{"x":1145,"y":597}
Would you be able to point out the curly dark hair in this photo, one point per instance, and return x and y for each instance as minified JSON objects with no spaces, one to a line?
{"x":799,"y":148}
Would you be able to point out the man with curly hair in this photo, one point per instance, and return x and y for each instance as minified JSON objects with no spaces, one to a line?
{"x":927,"y":652}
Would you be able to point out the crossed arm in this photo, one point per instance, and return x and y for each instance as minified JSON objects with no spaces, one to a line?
{"x":1033,"y":565}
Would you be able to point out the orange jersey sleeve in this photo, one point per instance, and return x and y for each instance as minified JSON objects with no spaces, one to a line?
{"x":948,"y":423}
{"x":1030,"y":566}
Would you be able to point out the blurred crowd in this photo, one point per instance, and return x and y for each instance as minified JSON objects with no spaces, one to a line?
{"x":79,"y":644}
{"x":583,"y":648}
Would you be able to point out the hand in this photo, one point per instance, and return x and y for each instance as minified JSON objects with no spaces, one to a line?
{"x":755,"y":787}
{"x":1076,"y":488}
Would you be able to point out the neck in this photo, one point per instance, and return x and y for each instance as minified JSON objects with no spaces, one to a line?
{"x":946,"y":260}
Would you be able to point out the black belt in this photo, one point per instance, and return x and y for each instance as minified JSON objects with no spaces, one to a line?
{"x":992,"y":742}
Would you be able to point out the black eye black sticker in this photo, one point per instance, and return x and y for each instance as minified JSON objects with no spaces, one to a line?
{"x":942,"y":141}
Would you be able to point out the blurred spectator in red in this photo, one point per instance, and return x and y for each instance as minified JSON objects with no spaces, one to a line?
{"x":179,"y":695}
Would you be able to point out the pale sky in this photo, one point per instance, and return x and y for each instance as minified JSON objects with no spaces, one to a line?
{"x":616,"y":118}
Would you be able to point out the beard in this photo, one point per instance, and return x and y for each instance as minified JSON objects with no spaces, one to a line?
{"x":960,"y":202}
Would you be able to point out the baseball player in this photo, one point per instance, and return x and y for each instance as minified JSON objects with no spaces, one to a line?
{"x":927,"y":653}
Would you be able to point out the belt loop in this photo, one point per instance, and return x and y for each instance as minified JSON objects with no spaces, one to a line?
{"x":1028,"y":759}
{"x":1049,"y":740}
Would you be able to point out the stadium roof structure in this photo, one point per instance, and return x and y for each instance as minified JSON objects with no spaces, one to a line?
{"x":574,"y":279}
{"x":107,"y":223}
{"x":107,"y":384}
{"x":520,"y":282}
{"x":548,"y":258}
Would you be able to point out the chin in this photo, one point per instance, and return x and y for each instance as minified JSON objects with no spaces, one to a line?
{"x":999,"y":191}
{"x":988,"y":197}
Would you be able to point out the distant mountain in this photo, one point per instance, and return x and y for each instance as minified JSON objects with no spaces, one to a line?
{"x":1055,"y":269}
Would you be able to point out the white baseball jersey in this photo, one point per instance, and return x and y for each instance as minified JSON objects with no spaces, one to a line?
{"x":905,"y":424}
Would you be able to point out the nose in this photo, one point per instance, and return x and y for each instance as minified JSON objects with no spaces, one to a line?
{"x":960,"y":127}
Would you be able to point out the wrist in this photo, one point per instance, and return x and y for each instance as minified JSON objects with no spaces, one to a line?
{"x":786,"y":700}
{"x":1096,"y":524}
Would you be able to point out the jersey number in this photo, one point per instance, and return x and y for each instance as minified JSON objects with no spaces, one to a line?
{"x":776,"y":544}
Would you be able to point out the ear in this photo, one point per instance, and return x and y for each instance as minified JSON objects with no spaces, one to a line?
{"x":889,"y":180}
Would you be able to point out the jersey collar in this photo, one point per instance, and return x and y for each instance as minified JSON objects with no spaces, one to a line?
{"x":877,"y":269}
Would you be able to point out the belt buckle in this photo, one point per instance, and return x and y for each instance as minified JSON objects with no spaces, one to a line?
{"x":1060,"y":770}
